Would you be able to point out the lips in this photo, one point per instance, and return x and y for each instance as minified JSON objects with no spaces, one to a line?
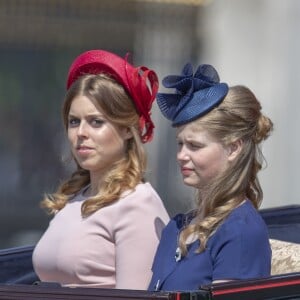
{"x":81,"y":147}
{"x":83,"y":150}
{"x":186,"y":171}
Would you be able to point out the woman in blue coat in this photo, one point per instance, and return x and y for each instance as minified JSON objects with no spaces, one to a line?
{"x":219,"y":131}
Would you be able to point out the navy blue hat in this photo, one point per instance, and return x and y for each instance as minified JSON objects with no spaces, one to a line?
{"x":195,"y":94}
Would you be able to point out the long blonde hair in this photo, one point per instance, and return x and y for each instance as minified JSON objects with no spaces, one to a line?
{"x":109,"y":96}
{"x":238,"y":117}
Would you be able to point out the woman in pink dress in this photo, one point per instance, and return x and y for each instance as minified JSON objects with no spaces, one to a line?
{"x":107,"y":219}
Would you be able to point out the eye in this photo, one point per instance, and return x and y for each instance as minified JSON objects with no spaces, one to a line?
{"x":179,"y":144}
{"x":194,"y":146}
{"x":96,"y":122}
{"x":73,"y":122}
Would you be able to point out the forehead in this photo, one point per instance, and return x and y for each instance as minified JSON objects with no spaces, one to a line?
{"x":83,"y":104}
{"x":189,"y":130}
{"x":194,"y":132}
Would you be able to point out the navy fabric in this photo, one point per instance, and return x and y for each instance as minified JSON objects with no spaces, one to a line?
{"x":195,"y":94}
{"x":283,"y":222}
{"x":239,"y":249}
{"x":285,"y":232}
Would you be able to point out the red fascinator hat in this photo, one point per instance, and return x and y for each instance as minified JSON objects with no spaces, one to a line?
{"x":139,"y":82}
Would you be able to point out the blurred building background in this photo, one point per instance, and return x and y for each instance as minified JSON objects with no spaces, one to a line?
{"x":251,"y":42}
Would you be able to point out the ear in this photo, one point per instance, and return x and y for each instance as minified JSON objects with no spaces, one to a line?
{"x":127,"y":133}
{"x":234,"y":149}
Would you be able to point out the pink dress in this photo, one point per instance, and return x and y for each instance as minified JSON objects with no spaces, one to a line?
{"x":112,"y":248}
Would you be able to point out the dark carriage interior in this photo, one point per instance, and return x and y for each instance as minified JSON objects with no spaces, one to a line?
{"x":283,"y":222}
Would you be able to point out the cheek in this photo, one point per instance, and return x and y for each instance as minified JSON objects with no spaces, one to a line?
{"x":110,"y":139}
{"x":219,"y":162}
{"x":71,"y":136}
{"x":211,"y":162}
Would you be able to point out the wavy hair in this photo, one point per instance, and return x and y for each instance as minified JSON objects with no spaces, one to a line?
{"x":238,"y":117}
{"x":109,"y":96}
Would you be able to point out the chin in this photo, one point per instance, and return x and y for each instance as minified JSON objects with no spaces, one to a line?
{"x":190,"y":183}
{"x":86,"y":166}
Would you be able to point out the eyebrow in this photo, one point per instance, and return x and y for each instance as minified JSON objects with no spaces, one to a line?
{"x":89,"y":115}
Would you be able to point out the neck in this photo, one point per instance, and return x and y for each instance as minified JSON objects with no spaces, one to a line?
{"x":95,"y":183}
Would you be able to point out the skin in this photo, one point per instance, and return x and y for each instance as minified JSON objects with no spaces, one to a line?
{"x":96,"y":143}
{"x":200,"y":156}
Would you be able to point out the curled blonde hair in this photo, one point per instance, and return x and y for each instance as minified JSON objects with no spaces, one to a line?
{"x":238,"y":117}
{"x":109,"y":96}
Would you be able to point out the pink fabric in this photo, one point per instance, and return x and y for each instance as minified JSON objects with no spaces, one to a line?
{"x":113,"y":248}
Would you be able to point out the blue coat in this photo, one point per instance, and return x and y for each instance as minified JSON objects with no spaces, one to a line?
{"x":239,"y":249}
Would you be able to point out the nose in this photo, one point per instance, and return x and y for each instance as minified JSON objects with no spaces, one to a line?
{"x":182,"y":154}
{"x":82,"y":130}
